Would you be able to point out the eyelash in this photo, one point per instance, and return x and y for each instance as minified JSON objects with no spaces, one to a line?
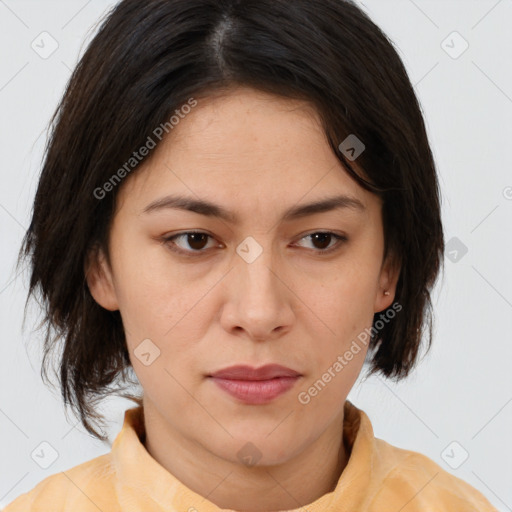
{"x":169,"y":241}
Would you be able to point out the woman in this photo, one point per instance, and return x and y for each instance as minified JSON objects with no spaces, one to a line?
{"x":239,"y":203}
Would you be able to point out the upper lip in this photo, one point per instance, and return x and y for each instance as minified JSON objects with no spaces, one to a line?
{"x":244,"y":372}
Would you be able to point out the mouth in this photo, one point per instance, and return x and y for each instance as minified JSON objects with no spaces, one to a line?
{"x":255,"y":386}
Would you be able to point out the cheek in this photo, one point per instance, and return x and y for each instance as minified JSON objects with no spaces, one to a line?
{"x":344,"y":305}
{"x":157,"y":303}
{"x":344,"y":302}
{"x":151,"y":291}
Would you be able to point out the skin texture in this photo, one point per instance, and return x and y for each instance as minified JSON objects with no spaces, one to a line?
{"x":256,"y":155}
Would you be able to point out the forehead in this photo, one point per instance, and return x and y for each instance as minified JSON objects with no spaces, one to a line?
{"x":245,"y":144}
{"x":246,"y":122}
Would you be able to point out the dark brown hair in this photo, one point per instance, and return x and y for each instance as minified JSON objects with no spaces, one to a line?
{"x":148,"y":58}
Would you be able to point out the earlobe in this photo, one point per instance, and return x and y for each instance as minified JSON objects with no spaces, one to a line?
{"x":99,"y":279}
{"x":387,"y":284}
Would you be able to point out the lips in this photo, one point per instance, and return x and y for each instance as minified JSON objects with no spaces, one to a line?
{"x":243,"y":372}
{"x":255,"y":386}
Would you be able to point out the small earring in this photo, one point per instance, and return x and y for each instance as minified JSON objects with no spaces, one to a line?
{"x":387,"y":293}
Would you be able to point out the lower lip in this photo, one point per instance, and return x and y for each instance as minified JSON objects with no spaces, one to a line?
{"x":256,"y":391}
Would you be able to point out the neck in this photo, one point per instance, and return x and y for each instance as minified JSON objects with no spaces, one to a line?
{"x":298,"y":480}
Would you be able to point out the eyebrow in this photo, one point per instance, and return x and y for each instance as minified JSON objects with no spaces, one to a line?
{"x":209,"y":209}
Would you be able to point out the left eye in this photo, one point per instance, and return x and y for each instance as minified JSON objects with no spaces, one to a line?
{"x":323,"y":239}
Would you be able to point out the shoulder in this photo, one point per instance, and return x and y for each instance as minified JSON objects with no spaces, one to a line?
{"x":418,"y":483}
{"x":87,"y":487}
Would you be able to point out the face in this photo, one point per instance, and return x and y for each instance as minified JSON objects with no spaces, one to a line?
{"x":256,"y":286}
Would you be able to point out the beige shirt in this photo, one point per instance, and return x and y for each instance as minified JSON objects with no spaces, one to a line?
{"x":379,"y":477}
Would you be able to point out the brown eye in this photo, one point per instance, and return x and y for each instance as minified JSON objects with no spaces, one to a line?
{"x":322,"y":241}
{"x":197,"y":241}
{"x":191,"y":242}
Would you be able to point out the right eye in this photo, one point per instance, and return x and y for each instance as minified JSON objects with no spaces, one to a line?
{"x":196,"y":241}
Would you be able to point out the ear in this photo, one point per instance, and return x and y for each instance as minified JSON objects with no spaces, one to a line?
{"x":98,"y":275}
{"x":388,"y":279}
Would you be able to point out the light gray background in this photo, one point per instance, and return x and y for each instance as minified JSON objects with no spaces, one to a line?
{"x":462,"y":390}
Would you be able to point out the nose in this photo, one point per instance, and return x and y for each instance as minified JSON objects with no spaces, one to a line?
{"x":258,"y":300}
